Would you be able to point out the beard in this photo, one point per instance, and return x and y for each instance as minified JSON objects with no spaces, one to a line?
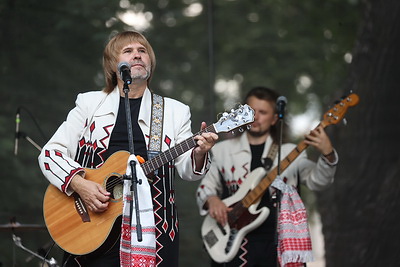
{"x":257,"y":133}
{"x":142,"y":74}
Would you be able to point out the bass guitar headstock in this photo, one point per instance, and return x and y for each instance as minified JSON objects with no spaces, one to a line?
{"x":336,"y":114}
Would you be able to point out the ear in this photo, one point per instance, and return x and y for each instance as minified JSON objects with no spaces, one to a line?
{"x":275,"y":119}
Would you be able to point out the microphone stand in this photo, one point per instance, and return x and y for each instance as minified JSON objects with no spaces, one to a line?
{"x":26,"y":137}
{"x":51,"y":262}
{"x":19,"y":134}
{"x":132,"y":164}
{"x":278,"y":192}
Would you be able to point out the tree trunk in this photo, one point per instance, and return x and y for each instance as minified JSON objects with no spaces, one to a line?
{"x":360,"y":211}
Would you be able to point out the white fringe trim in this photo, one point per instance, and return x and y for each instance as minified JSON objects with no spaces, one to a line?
{"x":297,"y":256}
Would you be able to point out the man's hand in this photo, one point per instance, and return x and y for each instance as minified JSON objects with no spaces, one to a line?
{"x":93,"y":194}
{"x":218,"y":210}
{"x":204,"y":142}
{"x":320,"y":140}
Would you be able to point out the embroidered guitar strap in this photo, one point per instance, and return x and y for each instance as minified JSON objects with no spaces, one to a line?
{"x":156,"y":127}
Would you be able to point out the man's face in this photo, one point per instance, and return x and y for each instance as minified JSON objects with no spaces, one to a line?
{"x":138,"y":57}
{"x":264,"y":116}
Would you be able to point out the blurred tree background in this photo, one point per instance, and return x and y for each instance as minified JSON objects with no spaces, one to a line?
{"x":360,"y":211}
{"x":209,"y":53}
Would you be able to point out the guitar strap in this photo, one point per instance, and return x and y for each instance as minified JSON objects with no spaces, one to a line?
{"x":156,"y":127}
{"x":269,"y":160}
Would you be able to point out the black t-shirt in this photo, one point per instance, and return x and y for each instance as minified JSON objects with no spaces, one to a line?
{"x":256,"y":153}
{"x":269,"y":225}
{"x":119,"y":137}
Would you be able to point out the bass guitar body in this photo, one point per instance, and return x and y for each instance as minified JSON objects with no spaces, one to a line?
{"x":223,"y":242}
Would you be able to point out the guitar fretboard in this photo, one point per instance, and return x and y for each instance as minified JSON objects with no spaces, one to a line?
{"x":259,"y":190}
{"x":168,"y":155}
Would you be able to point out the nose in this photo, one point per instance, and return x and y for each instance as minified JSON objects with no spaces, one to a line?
{"x":137,"y":55}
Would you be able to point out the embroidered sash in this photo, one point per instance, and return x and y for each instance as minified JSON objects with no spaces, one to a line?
{"x":294,"y":241}
{"x":132,"y":251}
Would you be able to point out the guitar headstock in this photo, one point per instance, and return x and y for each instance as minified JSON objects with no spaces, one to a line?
{"x":336,"y":114}
{"x":239,"y":117}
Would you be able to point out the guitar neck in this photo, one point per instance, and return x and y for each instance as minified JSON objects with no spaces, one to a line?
{"x":333,"y":116}
{"x":168,"y":155}
{"x":259,"y":190}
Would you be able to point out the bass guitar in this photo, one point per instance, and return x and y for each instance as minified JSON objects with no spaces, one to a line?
{"x":80,"y":231}
{"x":223,"y":242}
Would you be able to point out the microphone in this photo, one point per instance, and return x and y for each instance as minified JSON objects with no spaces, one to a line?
{"x":124,"y":69}
{"x":280,"y":106}
{"x":17,"y":121}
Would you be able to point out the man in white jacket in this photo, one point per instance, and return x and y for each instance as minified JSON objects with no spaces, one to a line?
{"x":234,"y":159}
{"x":96,"y":128}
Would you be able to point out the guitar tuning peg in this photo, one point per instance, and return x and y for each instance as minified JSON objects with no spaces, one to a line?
{"x":344,"y":122}
{"x":241,"y":129}
{"x":248,"y":127}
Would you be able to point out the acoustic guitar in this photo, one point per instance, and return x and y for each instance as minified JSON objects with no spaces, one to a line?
{"x":80,"y":231}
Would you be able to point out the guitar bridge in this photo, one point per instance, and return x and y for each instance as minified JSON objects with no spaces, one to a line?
{"x":81,"y":208}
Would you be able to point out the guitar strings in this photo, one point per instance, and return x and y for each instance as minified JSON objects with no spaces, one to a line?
{"x":157,"y":160}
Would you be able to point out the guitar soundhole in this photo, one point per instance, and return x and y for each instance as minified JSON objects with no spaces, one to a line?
{"x":114,"y":185}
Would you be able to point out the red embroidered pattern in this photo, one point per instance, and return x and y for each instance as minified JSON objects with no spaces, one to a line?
{"x":294,"y":244}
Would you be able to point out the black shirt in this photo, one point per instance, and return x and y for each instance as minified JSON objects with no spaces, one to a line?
{"x":119,"y":137}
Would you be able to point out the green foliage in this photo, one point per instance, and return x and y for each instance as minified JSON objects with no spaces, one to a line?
{"x":51,"y":51}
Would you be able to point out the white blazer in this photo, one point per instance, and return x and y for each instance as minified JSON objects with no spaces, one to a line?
{"x":86,"y":132}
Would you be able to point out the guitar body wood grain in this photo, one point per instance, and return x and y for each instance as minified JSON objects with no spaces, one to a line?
{"x":66,"y":226}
